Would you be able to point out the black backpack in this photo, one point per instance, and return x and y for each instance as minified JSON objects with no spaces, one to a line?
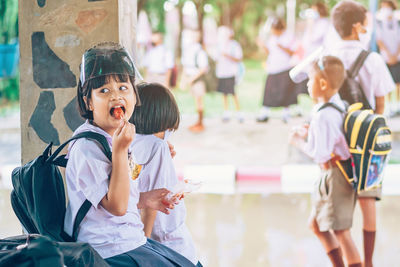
{"x":351,"y":90}
{"x":369,"y":140}
{"x":40,"y":251}
{"x":38,"y":198}
{"x":209,"y":78}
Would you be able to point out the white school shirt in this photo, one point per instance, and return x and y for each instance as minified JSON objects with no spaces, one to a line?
{"x":374,"y":76}
{"x":87,"y":176}
{"x":325,"y":134}
{"x":194,"y":59}
{"x":388,"y":31}
{"x":278,"y":60}
{"x":158,"y":171}
{"x":226,"y":67}
{"x":315,"y":35}
{"x":158,"y":60}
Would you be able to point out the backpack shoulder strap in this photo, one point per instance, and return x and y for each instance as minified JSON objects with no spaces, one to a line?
{"x":358,"y":63}
{"x":62,"y":162}
{"x":333,"y":105}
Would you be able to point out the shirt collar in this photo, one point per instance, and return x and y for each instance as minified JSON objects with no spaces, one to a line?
{"x":350,"y":44}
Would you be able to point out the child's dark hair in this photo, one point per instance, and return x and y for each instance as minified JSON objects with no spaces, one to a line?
{"x":100,"y":64}
{"x":390,"y":3}
{"x":322,"y":9}
{"x":158,"y":111}
{"x":345,"y":14}
{"x":278,"y":24}
{"x":332,"y":69}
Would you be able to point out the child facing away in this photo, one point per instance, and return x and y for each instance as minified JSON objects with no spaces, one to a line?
{"x":350,"y":21}
{"x":155,"y":120}
{"x":279,"y":89}
{"x":323,"y":140}
{"x":107,"y":97}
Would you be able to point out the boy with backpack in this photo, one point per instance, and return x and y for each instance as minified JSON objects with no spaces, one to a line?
{"x":323,"y":140}
{"x":349,"y":19}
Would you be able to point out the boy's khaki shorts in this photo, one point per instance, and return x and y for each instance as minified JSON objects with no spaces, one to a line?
{"x":374,"y":193}
{"x":333,"y":201}
{"x":197,"y":89}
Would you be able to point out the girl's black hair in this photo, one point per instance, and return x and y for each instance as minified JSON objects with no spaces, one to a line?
{"x":158,"y":111}
{"x":97,"y":82}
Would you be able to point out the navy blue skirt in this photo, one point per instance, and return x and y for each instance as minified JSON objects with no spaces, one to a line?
{"x":226,"y":85}
{"x":395,"y":71}
{"x":150,"y":254}
{"x":280,"y":90}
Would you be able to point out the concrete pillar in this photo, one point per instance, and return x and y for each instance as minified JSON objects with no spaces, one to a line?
{"x":53,"y":36}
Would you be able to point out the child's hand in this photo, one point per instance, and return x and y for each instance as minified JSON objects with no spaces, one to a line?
{"x":123,"y":136}
{"x":156,"y":199}
{"x":171,"y":149}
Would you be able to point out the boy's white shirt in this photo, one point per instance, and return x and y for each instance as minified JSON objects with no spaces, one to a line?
{"x":315,"y":35}
{"x":374,"y":76}
{"x":191,"y":53}
{"x":390,"y":36}
{"x":325,"y":134}
{"x":157,"y":172}
{"x":87,"y":177}
{"x":278,"y":60}
{"x":226,"y":67}
{"x":158,"y":60}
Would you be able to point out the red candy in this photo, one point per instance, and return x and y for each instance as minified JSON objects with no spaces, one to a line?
{"x":118,"y":113}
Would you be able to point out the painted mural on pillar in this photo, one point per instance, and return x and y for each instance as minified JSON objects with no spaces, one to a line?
{"x":41,"y":118}
{"x":72,"y":116}
{"x":49,"y":71}
{"x":41,"y":3}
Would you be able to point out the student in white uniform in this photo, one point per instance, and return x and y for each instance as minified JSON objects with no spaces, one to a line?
{"x":112,"y":225}
{"x":279,"y":89}
{"x":388,"y":37}
{"x":230,"y":55}
{"x":158,"y":61}
{"x":323,"y":140}
{"x":195,"y":66}
{"x":155,"y":119}
{"x":349,"y":19}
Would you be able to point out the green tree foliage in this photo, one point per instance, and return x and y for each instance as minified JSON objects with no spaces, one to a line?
{"x":8,"y":21}
{"x":9,"y":87}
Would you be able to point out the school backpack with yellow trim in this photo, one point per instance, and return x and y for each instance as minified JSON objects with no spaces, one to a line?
{"x":370,"y":143}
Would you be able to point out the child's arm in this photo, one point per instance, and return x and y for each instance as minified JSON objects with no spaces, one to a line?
{"x":380,"y":104}
{"x":148,"y":218}
{"x":117,"y":197}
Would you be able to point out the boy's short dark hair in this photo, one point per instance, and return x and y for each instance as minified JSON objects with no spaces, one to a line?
{"x":345,"y":14}
{"x":278,"y":24}
{"x":390,"y":3}
{"x":158,"y":111}
{"x":322,"y":9}
{"x":97,"y":82}
{"x":332,"y":69}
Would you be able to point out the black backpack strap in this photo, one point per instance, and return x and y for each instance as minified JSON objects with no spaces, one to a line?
{"x":333,"y":105}
{"x":62,"y":162}
{"x":83,"y":210}
{"x":356,"y":66}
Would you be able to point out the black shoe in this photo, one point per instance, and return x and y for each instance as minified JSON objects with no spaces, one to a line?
{"x":265,"y":119}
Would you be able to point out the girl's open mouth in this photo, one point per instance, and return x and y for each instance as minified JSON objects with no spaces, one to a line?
{"x":117,"y":112}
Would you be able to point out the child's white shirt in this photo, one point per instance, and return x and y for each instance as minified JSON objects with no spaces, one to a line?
{"x":388,"y":31}
{"x":87,"y":177}
{"x":315,"y":35}
{"x":278,"y":60}
{"x":157,"y":172}
{"x":194,"y":59}
{"x":158,"y":60}
{"x":325,"y":133}
{"x":374,"y":76}
{"x":226,"y":67}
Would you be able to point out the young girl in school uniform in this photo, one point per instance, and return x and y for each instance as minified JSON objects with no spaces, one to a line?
{"x":279,"y":89}
{"x":155,"y":119}
{"x":112,"y":226}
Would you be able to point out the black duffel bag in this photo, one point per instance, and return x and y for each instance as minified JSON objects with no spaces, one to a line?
{"x":39,"y":251}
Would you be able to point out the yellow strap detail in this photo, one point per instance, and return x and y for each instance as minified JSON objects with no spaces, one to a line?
{"x":357,"y":125}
